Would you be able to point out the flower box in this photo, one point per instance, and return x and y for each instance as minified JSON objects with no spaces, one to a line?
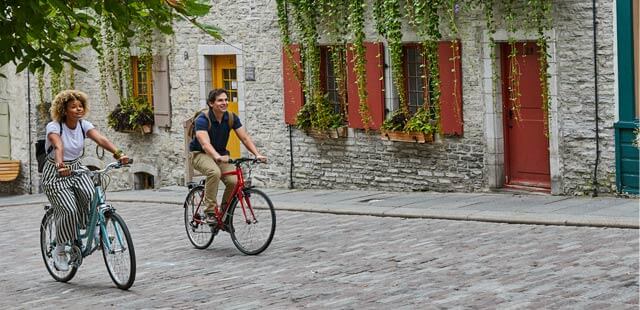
{"x":334,"y":133}
{"x":413,"y":137}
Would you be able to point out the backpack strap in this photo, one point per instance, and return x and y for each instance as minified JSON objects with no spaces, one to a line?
{"x":231,"y":117}
{"x":206,"y":114}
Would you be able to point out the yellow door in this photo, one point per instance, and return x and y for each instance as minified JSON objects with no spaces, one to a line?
{"x":224,"y":76}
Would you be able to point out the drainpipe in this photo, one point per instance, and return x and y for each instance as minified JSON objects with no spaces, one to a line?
{"x":291,"y":158}
{"x":595,"y":73}
{"x":29,"y":133}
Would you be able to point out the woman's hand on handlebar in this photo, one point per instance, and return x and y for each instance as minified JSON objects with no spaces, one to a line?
{"x":124,"y":159}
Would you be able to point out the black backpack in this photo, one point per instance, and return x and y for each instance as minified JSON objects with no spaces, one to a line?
{"x":41,"y":154}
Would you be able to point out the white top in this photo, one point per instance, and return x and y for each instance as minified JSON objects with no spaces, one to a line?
{"x":72,"y":139}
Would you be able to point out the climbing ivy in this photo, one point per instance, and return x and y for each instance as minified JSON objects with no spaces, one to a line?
{"x":356,"y":25}
{"x":427,"y":17}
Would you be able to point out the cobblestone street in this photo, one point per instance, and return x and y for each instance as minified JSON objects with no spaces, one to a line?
{"x":327,"y":261}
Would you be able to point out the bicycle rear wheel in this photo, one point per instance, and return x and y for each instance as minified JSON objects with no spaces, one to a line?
{"x":47,"y":247}
{"x":252,"y":222}
{"x":117,"y":251}
{"x":200,"y":233}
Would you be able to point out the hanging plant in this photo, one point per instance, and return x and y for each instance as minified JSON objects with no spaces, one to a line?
{"x":513,"y":82}
{"x":335,"y":25}
{"x":356,"y":25}
{"x":285,"y":37}
{"x":487,"y":9}
{"x":452,"y":10}
{"x":430,"y":32}
{"x":540,"y":16}
{"x":389,"y":25}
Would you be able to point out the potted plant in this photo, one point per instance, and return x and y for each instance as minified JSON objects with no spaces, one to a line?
{"x":132,"y":115}
{"x":321,"y":121}
{"x":421,"y":126}
{"x":118,"y":119}
{"x":142,"y":116}
{"x":417,"y":129}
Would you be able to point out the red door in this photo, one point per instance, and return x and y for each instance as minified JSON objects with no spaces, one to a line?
{"x":526,"y":147}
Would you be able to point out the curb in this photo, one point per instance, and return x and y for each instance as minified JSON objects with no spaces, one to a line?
{"x":414,"y":213}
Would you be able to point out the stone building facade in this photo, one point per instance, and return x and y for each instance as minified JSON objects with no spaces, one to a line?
{"x":468,"y":163}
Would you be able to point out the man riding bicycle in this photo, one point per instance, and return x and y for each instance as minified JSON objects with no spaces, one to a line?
{"x":209,"y":154}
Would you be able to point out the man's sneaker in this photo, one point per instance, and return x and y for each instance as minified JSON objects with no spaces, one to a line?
{"x":60,"y":261}
{"x":210,"y":218}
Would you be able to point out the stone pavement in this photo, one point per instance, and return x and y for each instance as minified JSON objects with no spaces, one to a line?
{"x":327,"y":261}
{"x":503,"y":207}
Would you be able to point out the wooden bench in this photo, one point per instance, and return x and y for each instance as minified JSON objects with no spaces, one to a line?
{"x":9,"y":170}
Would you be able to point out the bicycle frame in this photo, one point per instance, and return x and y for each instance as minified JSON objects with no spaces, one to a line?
{"x":237,"y":193}
{"x":97,"y":210}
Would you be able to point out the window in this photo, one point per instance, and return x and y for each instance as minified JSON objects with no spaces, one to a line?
{"x":333,"y":76}
{"x":415,"y":77}
{"x":417,"y":86}
{"x":374,"y":81}
{"x":142,"y":79}
{"x":230,"y":83}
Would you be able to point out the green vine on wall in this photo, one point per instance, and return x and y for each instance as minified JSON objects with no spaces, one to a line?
{"x":487,"y":9}
{"x":356,"y":25}
{"x":515,"y":73}
{"x":424,"y":16}
{"x":540,"y":17}
{"x":285,"y":37}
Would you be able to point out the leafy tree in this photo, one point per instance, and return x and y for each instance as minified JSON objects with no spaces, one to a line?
{"x":35,"y":33}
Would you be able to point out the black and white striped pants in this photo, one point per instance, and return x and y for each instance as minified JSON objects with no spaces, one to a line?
{"x":70,"y":198}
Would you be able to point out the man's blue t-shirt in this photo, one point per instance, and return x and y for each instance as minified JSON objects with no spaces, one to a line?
{"x":219,"y":133}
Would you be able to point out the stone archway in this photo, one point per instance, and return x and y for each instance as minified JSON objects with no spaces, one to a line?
{"x":144,"y":176}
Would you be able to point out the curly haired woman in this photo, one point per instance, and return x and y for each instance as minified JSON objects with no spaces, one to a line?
{"x":70,"y":196}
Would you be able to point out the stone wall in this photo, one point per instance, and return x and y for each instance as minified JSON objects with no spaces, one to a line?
{"x":13,"y":92}
{"x":363,"y":160}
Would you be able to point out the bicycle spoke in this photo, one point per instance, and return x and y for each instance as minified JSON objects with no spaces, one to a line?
{"x":117,"y":250}
{"x":253,"y":222}
{"x":200,"y":233}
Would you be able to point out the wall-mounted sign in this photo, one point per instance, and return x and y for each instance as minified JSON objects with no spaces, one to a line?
{"x":250,"y":73}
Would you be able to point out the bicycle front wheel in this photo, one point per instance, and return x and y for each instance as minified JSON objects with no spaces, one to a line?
{"x":47,"y":247}
{"x":200,"y":233}
{"x":117,"y":251}
{"x":252,"y":222}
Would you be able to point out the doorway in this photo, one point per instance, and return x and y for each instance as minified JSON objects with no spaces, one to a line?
{"x":224,"y":75}
{"x":526,"y":148}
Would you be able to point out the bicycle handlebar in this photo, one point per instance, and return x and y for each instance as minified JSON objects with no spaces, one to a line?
{"x":241,"y":160}
{"x":107,"y":168}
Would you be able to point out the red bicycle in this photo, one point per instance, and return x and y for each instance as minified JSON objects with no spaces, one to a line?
{"x":249,"y":218}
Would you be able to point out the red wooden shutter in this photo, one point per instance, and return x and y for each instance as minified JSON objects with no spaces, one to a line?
{"x":450,"y":88}
{"x":293,"y":94}
{"x":374,"y":54}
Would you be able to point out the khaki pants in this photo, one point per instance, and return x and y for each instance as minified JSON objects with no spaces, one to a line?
{"x":212,"y":171}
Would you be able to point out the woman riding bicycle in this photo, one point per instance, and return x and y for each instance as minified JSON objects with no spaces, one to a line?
{"x":70,"y":197}
{"x":209,"y":152}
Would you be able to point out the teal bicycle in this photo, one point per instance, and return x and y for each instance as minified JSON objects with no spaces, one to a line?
{"x":113,"y":237}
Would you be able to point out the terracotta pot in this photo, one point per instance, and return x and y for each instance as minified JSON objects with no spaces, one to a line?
{"x":147,"y":129}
